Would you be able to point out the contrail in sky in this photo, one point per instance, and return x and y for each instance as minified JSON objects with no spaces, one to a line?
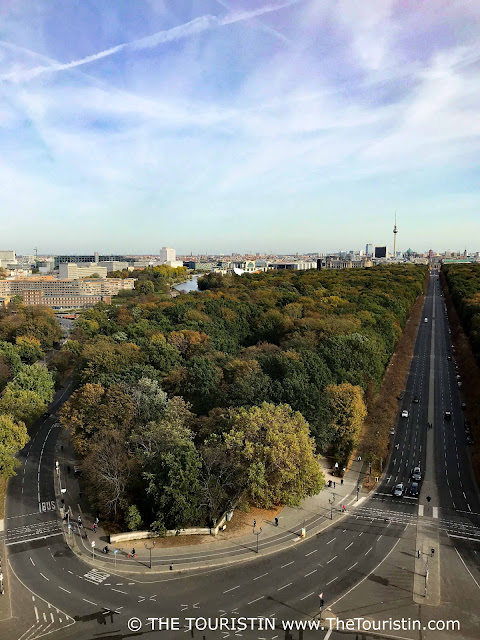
{"x":198,"y":25}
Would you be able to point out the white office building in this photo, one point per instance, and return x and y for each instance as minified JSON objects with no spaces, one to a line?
{"x":167,"y":254}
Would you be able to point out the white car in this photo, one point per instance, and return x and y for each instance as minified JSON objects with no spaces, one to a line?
{"x":398,"y":490}
{"x":404,"y":413}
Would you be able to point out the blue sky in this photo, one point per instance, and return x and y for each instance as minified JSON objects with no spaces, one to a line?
{"x":244,"y":125}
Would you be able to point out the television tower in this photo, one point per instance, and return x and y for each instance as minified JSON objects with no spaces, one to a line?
{"x":395,"y":231}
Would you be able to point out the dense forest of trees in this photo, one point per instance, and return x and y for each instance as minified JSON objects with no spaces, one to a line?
{"x":26,"y":387}
{"x":151,"y":279}
{"x":464,"y":283}
{"x":183,"y":405}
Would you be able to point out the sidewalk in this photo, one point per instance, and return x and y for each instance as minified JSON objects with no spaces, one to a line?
{"x":315,"y":514}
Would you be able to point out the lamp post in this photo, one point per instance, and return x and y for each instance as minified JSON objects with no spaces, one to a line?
{"x":150,"y":550}
{"x":257,"y":533}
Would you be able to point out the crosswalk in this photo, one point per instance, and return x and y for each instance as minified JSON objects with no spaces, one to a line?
{"x":34,"y":531}
{"x":453,"y":527}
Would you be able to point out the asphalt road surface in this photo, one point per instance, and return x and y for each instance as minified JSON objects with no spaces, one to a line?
{"x":52,"y":590}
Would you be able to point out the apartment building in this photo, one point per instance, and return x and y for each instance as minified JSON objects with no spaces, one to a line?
{"x":64,"y":293}
{"x":86,"y":270}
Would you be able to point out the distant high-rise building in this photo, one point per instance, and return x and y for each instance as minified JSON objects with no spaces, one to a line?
{"x":381,"y":252}
{"x":369,"y":250}
{"x":167,"y":254}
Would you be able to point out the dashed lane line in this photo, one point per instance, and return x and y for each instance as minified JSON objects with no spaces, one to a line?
{"x":90,"y":602}
{"x":262,"y":576}
{"x":287,"y":565}
{"x":256,"y":600}
{"x":305,"y":597}
{"x":285,"y":586}
{"x":309,"y":574}
{"x":232,"y":589}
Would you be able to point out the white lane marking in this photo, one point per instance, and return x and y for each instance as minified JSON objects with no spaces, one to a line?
{"x":471,"y":575}
{"x":420,"y":510}
{"x":332,"y":559}
{"x":118,"y":591}
{"x":305,"y":597}
{"x":452,"y":535}
{"x":363,"y":579}
{"x":64,"y":589}
{"x":285,"y":586}
{"x":353,"y":565}
{"x":331,"y":540}
{"x":48,"y":579}
{"x":36,"y":613}
{"x":262,"y":576}
{"x":349,"y":546}
{"x":32,"y":562}
{"x":252,"y":601}
{"x":435,"y":512}
{"x":90,"y":602}
{"x":369,"y":551}
{"x":328,"y":634}
{"x":287,"y":565}
{"x":310,"y":553}
{"x":232,"y":589}
{"x":331,"y":581}
{"x":309,"y":574}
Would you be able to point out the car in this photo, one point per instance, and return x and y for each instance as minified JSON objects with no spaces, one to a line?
{"x":447,"y":415}
{"x":404,"y":413}
{"x":459,"y":377}
{"x":469,"y":439}
{"x":426,"y":320}
{"x":415,"y":400}
{"x":467,"y":423}
{"x":464,"y":405}
{"x":400,"y":396}
{"x":449,"y":357}
{"x":459,"y":384}
{"x":392,"y":431}
{"x":46,"y":415}
{"x":414,"y":489}
{"x":468,"y":430}
{"x":398,"y":490}
{"x":416,"y":474}
{"x":76,"y":470}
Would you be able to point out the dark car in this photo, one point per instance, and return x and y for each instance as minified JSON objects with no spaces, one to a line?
{"x":467,"y":423}
{"x":414,"y":489}
{"x":469,"y":439}
{"x":449,"y":357}
{"x":416,"y":474}
{"x":447,"y":415}
{"x":415,"y":399}
{"x":46,"y":415}
{"x":464,"y":405}
{"x":400,"y":396}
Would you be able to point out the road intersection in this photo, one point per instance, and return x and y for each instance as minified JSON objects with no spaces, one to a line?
{"x":366,"y":562}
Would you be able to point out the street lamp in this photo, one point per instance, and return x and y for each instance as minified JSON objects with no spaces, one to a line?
{"x":257,"y":533}
{"x":150,"y":549}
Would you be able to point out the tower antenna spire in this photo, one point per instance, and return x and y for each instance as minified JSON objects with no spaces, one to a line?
{"x":395,"y":231}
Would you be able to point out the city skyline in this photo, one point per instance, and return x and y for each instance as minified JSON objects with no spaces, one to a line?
{"x":295,"y":125}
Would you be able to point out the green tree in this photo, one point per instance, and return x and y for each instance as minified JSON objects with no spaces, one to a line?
{"x":29,"y":348}
{"x":13,"y":437}
{"x":274,"y":444}
{"x":24,"y":405}
{"x":348,"y":412}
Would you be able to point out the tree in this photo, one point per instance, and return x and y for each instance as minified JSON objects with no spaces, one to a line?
{"x":348,"y":412}
{"x":29,"y":348}
{"x":13,"y":437}
{"x":146,"y":287}
{"x":37,"y":378}
{"x":274,"y":444}
{"x":24,"y":405}
{"x":93,"y":409}
{"x":149,"y":398}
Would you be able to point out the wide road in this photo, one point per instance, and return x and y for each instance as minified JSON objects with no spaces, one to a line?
{"x":55,"y":590}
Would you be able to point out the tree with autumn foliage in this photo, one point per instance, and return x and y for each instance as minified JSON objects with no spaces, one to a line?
{"x":347,"y":414}
{"x":274,"y":445}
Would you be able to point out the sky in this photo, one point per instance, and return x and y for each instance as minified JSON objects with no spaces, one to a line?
{"x":239,"y":125}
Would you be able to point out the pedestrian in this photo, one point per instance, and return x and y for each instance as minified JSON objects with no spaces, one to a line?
{"x":68,"y":469}
{"x":94,"y":528}
{"x":79,"y":519}
{"x":344,"y":508}
{"x":276,"y":522}
{"x":254,"y":524}
{"x":334,"y":484}
{"x":341,"y":482}
{"x":97,"y":520}
{"x":85,"y":535}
